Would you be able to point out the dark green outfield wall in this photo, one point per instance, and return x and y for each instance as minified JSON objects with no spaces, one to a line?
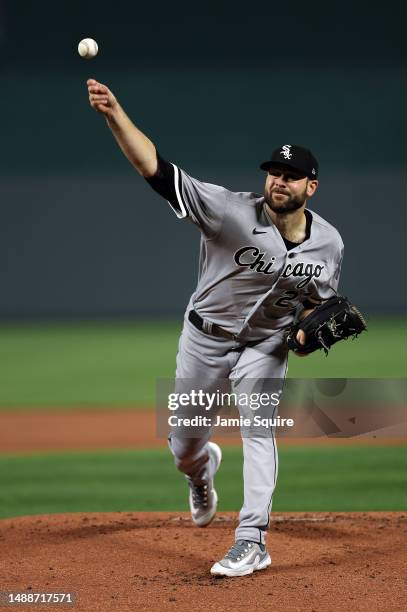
{"x":211,"y":31}
{"x":216,"y":87}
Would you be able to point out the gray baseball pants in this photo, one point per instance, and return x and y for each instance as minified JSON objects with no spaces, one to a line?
{"x":204,"y":357}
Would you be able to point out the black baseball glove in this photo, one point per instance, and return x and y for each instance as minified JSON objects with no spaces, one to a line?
{"x":333,"y":320}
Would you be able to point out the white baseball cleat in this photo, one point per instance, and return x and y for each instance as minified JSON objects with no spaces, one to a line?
{"x":203,"y":499}
{"x":242,"y":559}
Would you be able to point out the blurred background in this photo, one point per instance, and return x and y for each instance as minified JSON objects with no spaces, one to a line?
{"x":216,"y":87}
{"x":96,"y":268}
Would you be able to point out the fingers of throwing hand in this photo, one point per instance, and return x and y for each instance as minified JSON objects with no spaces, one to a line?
{"x":98,"y":98}
{"x":98,"y":89}
{"x":99,"y":104}
{"x":95,"y":85}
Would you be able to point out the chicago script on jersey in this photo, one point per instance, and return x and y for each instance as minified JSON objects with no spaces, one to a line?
{"x":251,"y":257}
{"x":308,"y":270}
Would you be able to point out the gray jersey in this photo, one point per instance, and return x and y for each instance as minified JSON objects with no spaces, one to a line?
{"x":248,"y":282}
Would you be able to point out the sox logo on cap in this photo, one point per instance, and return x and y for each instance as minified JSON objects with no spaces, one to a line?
{"x":285,"y":152}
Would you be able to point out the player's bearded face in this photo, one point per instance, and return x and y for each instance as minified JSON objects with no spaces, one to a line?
{"x":285,"y":196}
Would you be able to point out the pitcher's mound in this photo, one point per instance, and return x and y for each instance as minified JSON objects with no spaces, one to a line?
{"x":159,"y":561}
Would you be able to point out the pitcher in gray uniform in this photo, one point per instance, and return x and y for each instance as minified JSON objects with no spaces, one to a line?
{"x":263,"y":261}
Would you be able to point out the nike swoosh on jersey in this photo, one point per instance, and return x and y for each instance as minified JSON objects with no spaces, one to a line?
{"x":256,"y":231}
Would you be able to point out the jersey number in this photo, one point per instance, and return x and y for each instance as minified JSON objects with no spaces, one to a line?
{"x":284,"y":301}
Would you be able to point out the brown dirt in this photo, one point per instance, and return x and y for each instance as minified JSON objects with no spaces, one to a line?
{"x":89,"y":429}
{"x":159,"y":561}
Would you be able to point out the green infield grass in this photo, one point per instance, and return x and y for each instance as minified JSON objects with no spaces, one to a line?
{"x":118,"y":363}
{"x":347,"y":478}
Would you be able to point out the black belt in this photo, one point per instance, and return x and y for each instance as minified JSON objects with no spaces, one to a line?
{"x":208,"y":327}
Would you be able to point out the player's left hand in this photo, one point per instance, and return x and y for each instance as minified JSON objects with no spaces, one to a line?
{"x":300,"y":337}
{"x":334,"y":320}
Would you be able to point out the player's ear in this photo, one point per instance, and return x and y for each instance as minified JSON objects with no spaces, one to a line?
{"x":311,"y":187}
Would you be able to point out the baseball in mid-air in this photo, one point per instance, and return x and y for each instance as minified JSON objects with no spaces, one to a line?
{"x":88,"y":48}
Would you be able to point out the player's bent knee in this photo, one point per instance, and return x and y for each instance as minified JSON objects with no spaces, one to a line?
{"x":184,"y":464}
{"x":188,"y":454}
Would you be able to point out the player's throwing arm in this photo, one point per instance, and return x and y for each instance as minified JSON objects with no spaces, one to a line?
{"x":138,"y":149}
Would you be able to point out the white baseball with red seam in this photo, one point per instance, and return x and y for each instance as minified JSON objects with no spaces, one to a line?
{"x":88,"y":48}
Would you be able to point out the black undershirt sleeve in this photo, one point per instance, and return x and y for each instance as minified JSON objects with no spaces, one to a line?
{"x":163,"y":182}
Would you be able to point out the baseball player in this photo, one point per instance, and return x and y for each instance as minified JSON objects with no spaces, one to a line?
{"x":264,"y":260}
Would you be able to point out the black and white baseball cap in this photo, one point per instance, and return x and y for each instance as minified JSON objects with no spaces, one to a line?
{"x":295,"y":157}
